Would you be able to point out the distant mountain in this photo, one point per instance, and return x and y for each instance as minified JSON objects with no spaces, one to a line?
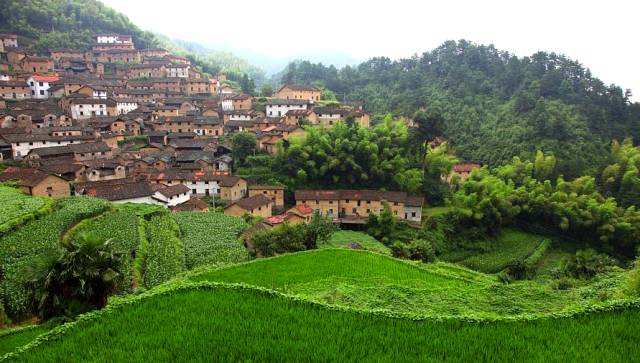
{"x":273,"y":64}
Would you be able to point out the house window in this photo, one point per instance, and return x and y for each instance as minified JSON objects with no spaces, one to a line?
{"x":193,"y":191}
{"x":413,"y":214}
{"x":368,"y":210}
{"x":317,"y":202}
{"x":354,"y":210}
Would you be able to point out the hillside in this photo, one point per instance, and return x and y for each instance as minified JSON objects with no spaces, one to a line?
{"x":252,"y":325}
{"x":372,"y":282}
{"x":489,"y":103}
{"x":53,"y":24}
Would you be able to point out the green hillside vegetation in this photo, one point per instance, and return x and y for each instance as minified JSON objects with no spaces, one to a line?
{"x":345,"y":239}
{"x":369,"y":281}
{"x":490,"y":104}
{"x":261,"y":326}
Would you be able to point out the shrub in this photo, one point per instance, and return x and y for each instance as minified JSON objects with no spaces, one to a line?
{"x":419,"y":249}
{"x":586,"y":264}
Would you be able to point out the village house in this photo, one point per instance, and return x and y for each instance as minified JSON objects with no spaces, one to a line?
{"x":274,"y":192}
{"x":196,"y":86}
{"x":328,"y":116}
{"x":154,"y":52}
{"x":460,"y":171}
{"x":85,"y":108}
{"x":125,"y":105}
{"x":40,"y":85}
{"x":208,"y":126}
{"x":225,"y":187}
{"x":8,"y":40}
{"x":76,"y":152}
{"x":100,"y":170}
{"x":14,"y":90}
{"x":91,"y":91}
{"x":237,"y":102}
{"x":117,"y":55}
{"x":35,"y":64}
{"x":178,"y":70}
{"x":225,"y":89}
{"x":150,"y":70}
{"x":257,"y":206}
{"x":280,"y":107}
{"x":58,"y":54}
{"x":299,"y":92}
{"x":22,"y":144}
{"x":354,"y":206}
{"x":36,"y":182}
{"x":173,"y":195}
{"x":192,"y":205}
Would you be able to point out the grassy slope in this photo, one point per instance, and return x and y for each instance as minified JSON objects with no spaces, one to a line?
{"x":245,"y":325}
{"x":370,"y":281}
{"x":11,"y":340}
{"x":342,"y":239}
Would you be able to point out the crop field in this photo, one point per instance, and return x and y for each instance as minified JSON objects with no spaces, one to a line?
{"x":365,"y":280}
{"x":343,"y":239}
{"x":16,"y":204}
{"x":120,"y":225}
{"x":211,"y":238}
{"x":248,"y":325}
{"x":19,"y":248}
{"x":164,"y":257}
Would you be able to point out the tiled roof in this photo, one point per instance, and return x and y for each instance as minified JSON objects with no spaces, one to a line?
{"x":253,"y":202}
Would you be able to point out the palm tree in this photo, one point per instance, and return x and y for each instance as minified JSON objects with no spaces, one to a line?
{"x":76,"y":280}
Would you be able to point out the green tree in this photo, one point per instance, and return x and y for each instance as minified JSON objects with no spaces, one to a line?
{"x":244,"y":144}
{"x":266,"y":90}
{"x":318,"y":230}
{"x":78,"y":279}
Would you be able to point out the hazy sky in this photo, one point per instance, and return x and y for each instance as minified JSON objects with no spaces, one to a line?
{"x":603,"y":35}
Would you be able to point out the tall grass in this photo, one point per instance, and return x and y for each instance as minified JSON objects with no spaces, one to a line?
{"x":243,"y":325}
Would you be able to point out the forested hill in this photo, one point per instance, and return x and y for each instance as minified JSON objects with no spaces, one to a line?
{"x":491,"y":104}
{"x":49,"y":24}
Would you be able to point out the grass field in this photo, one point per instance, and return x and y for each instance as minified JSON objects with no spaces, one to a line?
{"x":9,"y":341}
{"x":343,"y":239}
{"x":365,"y":280}
{"x":247,"y":325}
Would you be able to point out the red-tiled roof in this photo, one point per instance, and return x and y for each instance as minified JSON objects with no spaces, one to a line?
{"x":41,"y":78}
{"x":465,"y":168}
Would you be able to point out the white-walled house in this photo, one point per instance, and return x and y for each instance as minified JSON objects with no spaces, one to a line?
{"x":280,"y":107}
{"x":125,"y":105}
{"x":413,"y":209}
{"x":173,"y":195}
{"x":85,"y":108}
{"x":178,"y":70}
{"x":22,"y":144}
{"x":40,"y":85}
{"x":227,"y":104}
